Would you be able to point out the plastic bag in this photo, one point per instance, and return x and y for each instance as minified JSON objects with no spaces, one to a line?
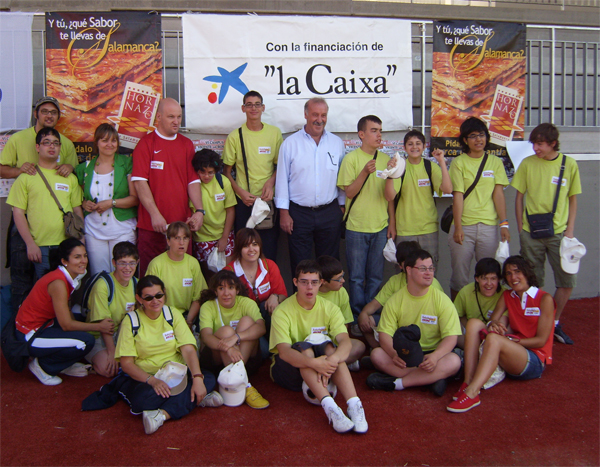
{"x":216,"y":260}
{"x":389,"y":251}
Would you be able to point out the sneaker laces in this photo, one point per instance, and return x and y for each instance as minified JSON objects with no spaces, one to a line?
{"x":358,"y":413}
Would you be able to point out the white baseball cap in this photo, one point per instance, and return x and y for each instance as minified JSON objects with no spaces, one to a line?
{"x":571,"y":251}
{"x":233,"y":381}
{"x":175,"y":375}
{"x":395,"y":172}
{"x":260,"y":211}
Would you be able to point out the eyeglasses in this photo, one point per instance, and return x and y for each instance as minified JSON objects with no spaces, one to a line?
{"x":123,"y":264}
{"x":339,"y":279}
{"x":305,"y":282}
{"x":423,"y":269}
{"x":149,"y":298}
{"x":55,"y":144}
{"x":180,"y":239}
{"x":477,"y":135}
{"x":45,"y":112}
{"x":250,"y":105}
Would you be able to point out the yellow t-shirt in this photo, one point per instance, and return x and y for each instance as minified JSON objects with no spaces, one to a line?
{"x":369,"y":212}
{"x":262,"y":152}
{"x":122,"y":302}
{"x":156,"y":342}
{"x":537,"y":179}
{"x":466,"y":303}
{"x":397,"y":282}
{"x":183,"y":279}
{"x":433,"y":312}
{"x":342,"y":300}
{"x":214,"y":200}
{"x":479,"y":205}
{"x":416,"y":213}
{"x":243,"y":306}
{"x":290,"y":323}
{"x":29,"y":192}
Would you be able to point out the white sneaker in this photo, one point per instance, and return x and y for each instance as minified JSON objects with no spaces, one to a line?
{"x":153,"y":420}
{"x":40,"y":374}
{"x":212,"y":399}
{"x":354,"y":366}
{"x":341,"y":423}
{"x":355,"y":330}
{"x":357,"y":415}
{"x":77,"y":369}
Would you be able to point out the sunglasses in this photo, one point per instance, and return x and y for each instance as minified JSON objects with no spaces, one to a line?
{"x":149,"y":298}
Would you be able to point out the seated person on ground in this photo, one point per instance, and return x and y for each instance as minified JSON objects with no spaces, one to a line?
{"x":102,"y":306}
{"x":315,"y":362}
{"x":478,"y":299}
{"x":432,"y":311}
{"x":332,"y":289}
{"x":525,"y":352}
{"x":181,"y":272}
{"x":230,"y":328}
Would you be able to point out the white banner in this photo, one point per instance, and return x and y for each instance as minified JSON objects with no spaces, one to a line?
{"x":361,"y":66}
{"x":16,"y":71}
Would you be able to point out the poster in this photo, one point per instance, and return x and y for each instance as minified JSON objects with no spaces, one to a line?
{"x":361,"y":66}
{"x":91,"y":59}
{"x":478,"y":70}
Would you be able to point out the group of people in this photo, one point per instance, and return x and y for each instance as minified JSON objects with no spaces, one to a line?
{"x":180,"y":207}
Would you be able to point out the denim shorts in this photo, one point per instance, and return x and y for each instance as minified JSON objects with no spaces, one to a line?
{"x":532,"y":370}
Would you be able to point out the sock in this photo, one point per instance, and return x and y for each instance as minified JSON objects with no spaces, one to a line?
{"x":327,"y":402}
{"x":352,"y":401}
{"x":555,"y":322}
{"x":399,"y":385}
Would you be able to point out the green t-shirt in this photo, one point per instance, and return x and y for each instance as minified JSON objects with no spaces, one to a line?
{"x":156,"y":342}
{"x":20,"y":148}
{"x":211,"y":318}
{"x":466,"y":303}
{"x":397,"y":282}
{"x":29,"y":192}
{"x":537,"y":179}
{"x":122,"y":302}
{"x":183,"y":279}
{"x":369,"y":212}
{"x":479,"y":205}
{"x":290,"y":323}
{"x":215,"y":201}
{"x":416,"y":213}
{"x":342,"y":300}
{"x":262,"y":152}
{"x":433,"y":312}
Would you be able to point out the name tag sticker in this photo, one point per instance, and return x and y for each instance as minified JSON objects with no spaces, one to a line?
{"x":532,"y":311}
{"x":61,"y":187}
{"x":130,"y":306}
{"x":188,"y":282}
{"x":489,"y":313}
{"x":168,"y":336}
{"x":234,"y":323}
{"x":555,"y":181}
{"x":318,"y":330}
{"x":220,"y":197}
{"x":378,"y":173}
{"x":264,"y":149}
{"x":264,"y":288}
{"x":429,"y":319}
{"x":160,"y":165}
{"x":488,"y":173}
{"x":424,"y":182}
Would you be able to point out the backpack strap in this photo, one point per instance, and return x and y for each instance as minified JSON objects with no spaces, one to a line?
{"x":135,"y":322}
{"x":168,"y":314}
{"x":110,"y":285}
{"x":427,"y":163}
{"x":219,"y":178}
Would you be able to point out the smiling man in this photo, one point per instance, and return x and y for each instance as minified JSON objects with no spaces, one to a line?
{"x":306,"y":192}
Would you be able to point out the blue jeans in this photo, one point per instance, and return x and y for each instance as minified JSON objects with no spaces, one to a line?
{"x":44,"y":267}
{"x":364,"y":255}
{"x":22,"y":274}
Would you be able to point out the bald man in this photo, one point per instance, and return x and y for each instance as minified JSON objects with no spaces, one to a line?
{"x":165,"y":181}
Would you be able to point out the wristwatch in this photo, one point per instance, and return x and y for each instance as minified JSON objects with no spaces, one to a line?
{"x":114,"y":203}
{"x":202,"y":211}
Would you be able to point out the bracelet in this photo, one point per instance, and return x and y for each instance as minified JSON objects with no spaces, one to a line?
{"x":503,"y":221}
{"x":504,"y":226}
{"x":239,"y":339}
{"x":488,"y":324}
{"x":198,"y":375}
{"x":148,"y":378}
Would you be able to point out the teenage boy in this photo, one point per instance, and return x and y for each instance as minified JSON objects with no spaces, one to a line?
{"x":433,"y":312}
{"x":125,"y":261}
{"x":261,"y":144}
{"x":537,"y":176}
{"x":368,"y":220}
{"x":36,"y":214}
{"x":371,"y":313}
{"x":299,"y":354}
{"x":332,"y":289}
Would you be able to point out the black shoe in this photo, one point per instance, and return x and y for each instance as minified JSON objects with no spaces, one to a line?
{"x":366,"y":363}
{"x":560,"y":335}
{"x":381,"y":381}
{"x":439,"y":387}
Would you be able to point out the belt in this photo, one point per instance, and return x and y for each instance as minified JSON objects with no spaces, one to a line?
{"x":313,"y":208}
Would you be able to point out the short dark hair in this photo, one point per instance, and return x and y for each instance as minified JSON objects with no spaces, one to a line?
{"x":362,"y":123}
{"x":46,"y":131}
{"x":308,"y":266}
{"x":207,"y":158}
{"x":149,"y":281}
{"x":415,"y":256}
{"x":252,"y":94}
{"x":523,"y":265}
{"x":175,"y":227}
{"x":404,"y":249}
{"x":66,"y":247}
{"x":329,"y":266}
{"x":123,"y":249}
{"x":243,"y":238}
{"x":472,"y":125}
{"x":487,"y":266}
{"x":545,"y":133}
{"x":223,"y":276}
{"x":102,"y":131}
{"x":414,"y":134}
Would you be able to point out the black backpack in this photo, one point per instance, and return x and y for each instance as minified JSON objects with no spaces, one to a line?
{"x":85,"y":309}
{"x":16,"y":351}
{"x":427,"y":163}
{"x":135,"y":319}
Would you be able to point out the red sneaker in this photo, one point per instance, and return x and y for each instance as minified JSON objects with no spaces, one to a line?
{"x":458,"y":393}
{"x":463,"y":403}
